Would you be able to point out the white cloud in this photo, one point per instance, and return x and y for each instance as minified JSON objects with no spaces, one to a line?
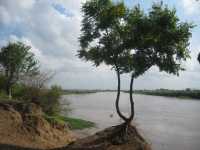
{"x":191,"y":6}
{"x":57,"y":64}
{"x":4,"y":15}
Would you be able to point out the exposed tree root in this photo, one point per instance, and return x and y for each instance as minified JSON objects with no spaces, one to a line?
{"x":124,"y":133}
{"x":121,"y":137}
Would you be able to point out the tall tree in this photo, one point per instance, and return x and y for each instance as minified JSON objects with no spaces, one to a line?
{"x":132,"y":41}
{"x":17,"y":60}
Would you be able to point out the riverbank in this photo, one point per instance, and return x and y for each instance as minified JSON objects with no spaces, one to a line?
{"x":24,"y":126}
{"x":102,"y":140}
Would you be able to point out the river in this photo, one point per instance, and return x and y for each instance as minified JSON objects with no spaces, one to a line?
{"x":166,"y":123}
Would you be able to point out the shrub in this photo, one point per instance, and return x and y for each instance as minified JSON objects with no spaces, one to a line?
{"x":48,"y":99}
{"x":3,"y":95}
{"x":26,"y":93}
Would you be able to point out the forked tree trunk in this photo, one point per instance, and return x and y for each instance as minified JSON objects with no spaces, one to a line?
{"x":118,"y":96}
{"x":127,"y":120}
{"x":123,"y":131}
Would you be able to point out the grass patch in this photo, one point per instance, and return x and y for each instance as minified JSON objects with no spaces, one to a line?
{"x":74,"y":123}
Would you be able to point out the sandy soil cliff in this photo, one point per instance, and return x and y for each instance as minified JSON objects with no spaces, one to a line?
{"x":24,"y":125}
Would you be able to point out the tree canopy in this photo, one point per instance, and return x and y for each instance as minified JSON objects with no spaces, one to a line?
{"x":117,"y":35}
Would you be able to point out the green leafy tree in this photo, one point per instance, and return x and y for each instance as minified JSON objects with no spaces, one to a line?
{"x":132,"y":42}
{"x":17,"y":61}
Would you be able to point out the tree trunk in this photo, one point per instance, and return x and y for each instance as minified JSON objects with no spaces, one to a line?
{"x":123,"y":131}
{"x":9,"y":77}
{"x":8,"y":90}
{"x":131,"y":100}
{"x":118,"y":96}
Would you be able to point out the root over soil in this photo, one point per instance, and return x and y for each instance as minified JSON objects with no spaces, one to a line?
{"x":113,"y":138}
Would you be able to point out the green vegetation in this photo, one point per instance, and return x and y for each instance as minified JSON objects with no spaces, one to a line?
{"x":3,"y":96}
{"x":20,"y":75}
{"x":188,"y":93}
{"x":74,"y":123}
{"x":48,"y":99}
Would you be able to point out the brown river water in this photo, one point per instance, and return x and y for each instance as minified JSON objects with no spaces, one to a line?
{"x":166,"y":123}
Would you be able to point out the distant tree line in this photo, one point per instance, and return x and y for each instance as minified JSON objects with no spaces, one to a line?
{"x":187,"y":93}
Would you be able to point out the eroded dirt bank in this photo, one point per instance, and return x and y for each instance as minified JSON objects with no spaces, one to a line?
{"x":22,"y":127}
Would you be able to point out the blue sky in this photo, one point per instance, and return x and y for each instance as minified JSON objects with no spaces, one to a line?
{"x":52,"y":28}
